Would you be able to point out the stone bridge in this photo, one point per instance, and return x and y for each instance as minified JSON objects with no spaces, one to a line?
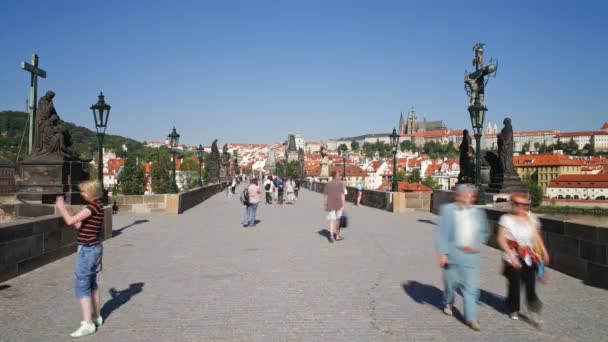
{"x":200,"y":276}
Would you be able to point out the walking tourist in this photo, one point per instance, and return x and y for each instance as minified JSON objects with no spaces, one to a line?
{"x":462,"y":230}
{"x":296,"y":189}
{"x":233,"y":186}
{"x":360,"y":186}
{"x":252,"y":205}
{"x":335,"y":201}
{"x":280,"y":190}
{"x":89,"y":223}
{"x":268,"y":189}
{"x":289,"y":191}
{"x":520,"y":239}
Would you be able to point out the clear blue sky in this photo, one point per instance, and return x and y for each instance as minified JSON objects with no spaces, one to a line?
{"x":250,"y":71}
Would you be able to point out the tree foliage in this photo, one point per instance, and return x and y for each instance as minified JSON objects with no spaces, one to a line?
{"x":401,"y":176}
{"x":354,"y":146}
{"x":414,"y":176}
{"x":188,"y":174}
{"x":160,"y":173}
{"x":431,"y":183}
{"x":132,"y":180}
{"x":535,"y":190}
{"x":343,"y":148}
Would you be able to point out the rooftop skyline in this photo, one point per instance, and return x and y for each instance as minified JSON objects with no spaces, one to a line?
{"x":253,"y":71}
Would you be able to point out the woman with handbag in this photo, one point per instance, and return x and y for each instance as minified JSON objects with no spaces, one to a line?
{"x":519,"y":238}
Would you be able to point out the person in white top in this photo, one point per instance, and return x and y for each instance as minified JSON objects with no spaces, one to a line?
{"x":268,"y":189}
{"x":520,"y":239}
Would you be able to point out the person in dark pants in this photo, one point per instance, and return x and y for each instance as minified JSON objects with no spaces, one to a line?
{"x":268,"y":189}
{"x":519,"y":238}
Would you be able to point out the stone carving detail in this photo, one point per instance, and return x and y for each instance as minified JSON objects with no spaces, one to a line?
{"x":214,"y":163}
{"x":505,"y":148}
{"x":50,"y":141}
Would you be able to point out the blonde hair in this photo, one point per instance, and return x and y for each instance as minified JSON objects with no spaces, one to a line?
{"x":92,"y":188}
{"x":520,"y":195}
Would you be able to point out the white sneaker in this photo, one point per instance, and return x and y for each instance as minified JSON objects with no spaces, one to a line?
{"x":84,"y":330}
{"x":98,"y":321}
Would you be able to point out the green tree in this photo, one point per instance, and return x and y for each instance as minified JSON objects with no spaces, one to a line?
{"x":414,"y":176}
{"x":189,"y":174}
{"x":354,"y":146}
{"x":526,"y":147}
{"x":405,"y":145}
{"x":535,"y":190}
{"x":92,"y":172}
{"x":160,"y":174}
{"x":431,"y":183}
{"x":543,"y":148}
{"x":343,"y":148}
{"x":401,"y":176}
{"x":536,"y":146}
{"x":571,"y":147}
{"x":132,"y":180}
{"x":292,"y":169}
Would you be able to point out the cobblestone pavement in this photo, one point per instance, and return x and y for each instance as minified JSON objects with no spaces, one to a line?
{"x":200,"y":276}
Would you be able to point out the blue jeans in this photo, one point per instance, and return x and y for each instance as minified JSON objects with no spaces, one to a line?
{"x":249,"y":219}
{"x":88,"y":264}
{"x":467,"y":278}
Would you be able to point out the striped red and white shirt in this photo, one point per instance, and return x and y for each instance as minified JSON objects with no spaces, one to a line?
{"x":89,"y":233}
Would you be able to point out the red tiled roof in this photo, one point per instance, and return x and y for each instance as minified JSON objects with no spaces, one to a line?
{"x":580,"y":181}
{"x":547,"y":159}
{"x":579,"y":134}
{"x":605,"y":126}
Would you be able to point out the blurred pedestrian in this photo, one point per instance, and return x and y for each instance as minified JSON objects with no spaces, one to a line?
{"x":252,"y":204}
{"x":462,"y":230}
{"x":524,"y":250}
{"x":334,"y":203}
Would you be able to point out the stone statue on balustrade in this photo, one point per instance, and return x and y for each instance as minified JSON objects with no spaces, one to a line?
{"x":52,"y":167}
{"x":466,"y":160}
{"x":503,"y":176}
{"x":214,"y":163}
{"x":51,"y":143}
{"x":225,"y":163}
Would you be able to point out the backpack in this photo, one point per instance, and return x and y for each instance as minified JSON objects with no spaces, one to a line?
{"x":245,"y":196}
{"x":267,"y":186}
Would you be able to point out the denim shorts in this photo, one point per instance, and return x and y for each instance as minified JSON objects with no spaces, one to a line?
{"x":88,"y":264}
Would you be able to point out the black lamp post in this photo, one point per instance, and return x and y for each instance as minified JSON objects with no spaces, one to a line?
{"x":173,"y":141}
{"x":101,"y":113}
{"x":200,"y":153}
{"x":477,"y":113}
{"x":394,"y":143}
{"x":343,"y":154}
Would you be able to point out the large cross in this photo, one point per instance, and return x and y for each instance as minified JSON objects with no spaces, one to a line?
{"x":34,"y":73}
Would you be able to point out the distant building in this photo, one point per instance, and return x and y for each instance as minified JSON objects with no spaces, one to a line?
{"x":412,"y":125}
{"x":579,"y":187}
{"x":543,"y":168}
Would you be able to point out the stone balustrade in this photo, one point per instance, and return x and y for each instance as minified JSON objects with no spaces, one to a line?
{"x":576,"y":249}
{"x":29,"y":243}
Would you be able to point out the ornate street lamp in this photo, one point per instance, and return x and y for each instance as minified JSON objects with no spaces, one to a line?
{"x":394,"y":143}
{"x":173,"y":141}
{"x":101,"y":113}
{"x":477,"y":113}
{"x":200,"y":153}
{"x":475,"y":84}
{"x":343,"y":154}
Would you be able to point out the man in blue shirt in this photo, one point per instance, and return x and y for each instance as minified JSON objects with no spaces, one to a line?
{"x":462,"y":230}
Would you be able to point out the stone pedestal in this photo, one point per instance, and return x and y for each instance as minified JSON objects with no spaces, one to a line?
{"x":292,"y":156}
{"x":41,"y":181}
{"x":510,"y":184}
